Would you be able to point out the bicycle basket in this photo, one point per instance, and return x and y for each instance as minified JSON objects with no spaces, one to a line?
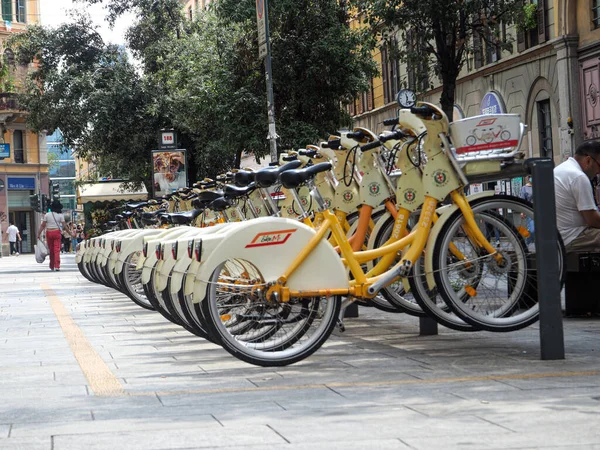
{"x":485,"y":135}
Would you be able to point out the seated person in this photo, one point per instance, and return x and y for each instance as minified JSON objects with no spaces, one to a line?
{"x":577,"y":218}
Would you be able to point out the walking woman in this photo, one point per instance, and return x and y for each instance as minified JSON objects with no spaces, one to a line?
{"x":52,"y":221}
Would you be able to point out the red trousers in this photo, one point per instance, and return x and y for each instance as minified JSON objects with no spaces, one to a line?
{"x":53,"y":238}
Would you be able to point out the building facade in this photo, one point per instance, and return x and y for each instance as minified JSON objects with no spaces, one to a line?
{"x":23,"y":154}
{"x":551,"y":78}
{"x":192,"y":7}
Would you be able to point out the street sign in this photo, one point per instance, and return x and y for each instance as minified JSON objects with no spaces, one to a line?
{"x":4,"y":151}
{"x":168,"y":139}
{"x":261,"y":20}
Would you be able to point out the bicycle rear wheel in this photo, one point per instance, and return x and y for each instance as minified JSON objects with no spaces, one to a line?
{"x":131,"y":280}
{"x":262,"y":332}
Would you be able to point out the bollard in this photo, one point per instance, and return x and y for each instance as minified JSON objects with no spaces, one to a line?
{"x":552,"y":343}
{"x":351,"y":311}
{"x":427,"y":326}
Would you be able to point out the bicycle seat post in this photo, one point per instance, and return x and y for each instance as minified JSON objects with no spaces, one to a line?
{"x":316,"y":195}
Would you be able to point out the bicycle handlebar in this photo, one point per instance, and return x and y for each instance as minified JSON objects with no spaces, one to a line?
{"x":357,"y":135}
{"x":392,"y":136}
{"x":391,"y":121}
{"x":370,"y":146}
{"x":333,"y":144}
{"x":425,"y":111}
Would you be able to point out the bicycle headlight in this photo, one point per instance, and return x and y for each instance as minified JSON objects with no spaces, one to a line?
{"x":174,"y":250}
{"x":190,"y":248}
{"x":145,"y":250}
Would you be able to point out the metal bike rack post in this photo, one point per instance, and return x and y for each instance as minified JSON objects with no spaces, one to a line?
{"x":552,"y":343}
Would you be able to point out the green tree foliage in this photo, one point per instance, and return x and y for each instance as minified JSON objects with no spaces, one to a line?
{"x":435,"y":35}
{"x":202,"y":78}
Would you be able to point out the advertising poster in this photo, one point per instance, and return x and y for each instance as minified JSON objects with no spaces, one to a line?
{"x":169,"y":171}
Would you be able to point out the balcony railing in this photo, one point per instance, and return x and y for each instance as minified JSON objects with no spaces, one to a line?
{"x":9,"y":102}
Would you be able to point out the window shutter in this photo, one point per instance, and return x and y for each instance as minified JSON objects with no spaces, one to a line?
{"x":541,"y":21}
{"x":477,"y":50}
{"x":359,"y":105}
{"x":351,"y":109}
{"x":384,"y":73}
{"x":521,"y":44}
{"x":7,"y":10}
{"x":370,"y":96}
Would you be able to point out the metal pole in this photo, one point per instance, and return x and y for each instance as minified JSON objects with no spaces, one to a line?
{"x":552,"y":343}
{"x":269,"y":79}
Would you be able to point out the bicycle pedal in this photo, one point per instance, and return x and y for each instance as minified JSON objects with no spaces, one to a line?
{"x":340,"y":325}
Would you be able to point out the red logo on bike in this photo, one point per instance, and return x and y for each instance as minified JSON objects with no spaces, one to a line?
{"x":271,"y":238}
{"x":486,"y":122}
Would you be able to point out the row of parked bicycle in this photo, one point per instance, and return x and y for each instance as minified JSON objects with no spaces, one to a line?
{"x":265,"y":266}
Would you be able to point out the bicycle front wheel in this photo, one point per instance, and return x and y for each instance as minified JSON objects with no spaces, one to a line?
{"x":482,"y":288}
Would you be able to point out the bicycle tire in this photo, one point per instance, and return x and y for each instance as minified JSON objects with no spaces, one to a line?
{"x":470,"y":308}
{"x":131,"y":280}
{"x":305,"y":337}
{"x":396,"y":296}
{"x":150,"y":291}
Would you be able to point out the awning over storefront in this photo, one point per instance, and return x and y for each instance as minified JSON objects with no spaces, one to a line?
{"x":107,"y":191}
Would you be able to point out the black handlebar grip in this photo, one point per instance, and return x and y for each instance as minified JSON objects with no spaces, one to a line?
{"x":273,"y":164}
{"x":391,"y":121}
{"x":395,"y":135}
{"x":334,"y":144}
{"x":423,"y":110}
{"x":356,"y":135}
{"x":289,"y":158}
{"x":370,"y":146}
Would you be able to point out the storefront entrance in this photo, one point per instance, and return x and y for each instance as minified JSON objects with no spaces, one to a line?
{"x":24,"y":222}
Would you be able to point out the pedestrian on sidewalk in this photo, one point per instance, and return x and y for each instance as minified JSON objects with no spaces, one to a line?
{"x":52,"y":221}
{"x":13,"y":237}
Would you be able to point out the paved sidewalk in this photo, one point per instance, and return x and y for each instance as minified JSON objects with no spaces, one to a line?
{"x":82,"y":367}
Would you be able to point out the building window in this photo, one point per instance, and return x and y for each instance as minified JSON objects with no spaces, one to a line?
{"x":390,"y":71}
{"x":7,"y":10}
{"x":545,"y":128}
{"x":417,"y":69}
{"x":21,"y":13}
{"x":596,"y":13}
{"x":18,"y":147}
{"x":538,"y":34}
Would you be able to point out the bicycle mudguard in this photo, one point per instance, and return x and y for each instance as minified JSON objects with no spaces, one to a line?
{"x":272,"y":244}
{"x":154,"y":243}
{"x":80,"y":250}
{"x":135,"y":243}
{"x":186,"y":256}
{"x":173,"y":249}
{"x":445,"y":213}
{"x":108,"y":245}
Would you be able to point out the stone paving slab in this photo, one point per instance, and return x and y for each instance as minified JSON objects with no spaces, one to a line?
{"x":377,"y":385}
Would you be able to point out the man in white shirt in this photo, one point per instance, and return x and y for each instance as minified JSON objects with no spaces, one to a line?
{"x":577,"y":216}
{"x":13,"y":236}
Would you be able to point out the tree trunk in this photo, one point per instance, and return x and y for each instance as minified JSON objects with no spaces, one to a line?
{"x":449,"y":77}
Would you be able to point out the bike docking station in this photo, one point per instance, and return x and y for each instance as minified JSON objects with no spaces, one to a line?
{"x":546,"y":263}
{"x":552,"y":345}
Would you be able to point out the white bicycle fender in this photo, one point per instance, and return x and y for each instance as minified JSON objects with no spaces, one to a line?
{"x":153,"y":242}
{"x":272,"y":244}
{"x":444,"y":214}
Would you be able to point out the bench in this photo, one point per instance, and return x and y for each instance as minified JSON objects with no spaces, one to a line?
{"x":581,"y":285}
